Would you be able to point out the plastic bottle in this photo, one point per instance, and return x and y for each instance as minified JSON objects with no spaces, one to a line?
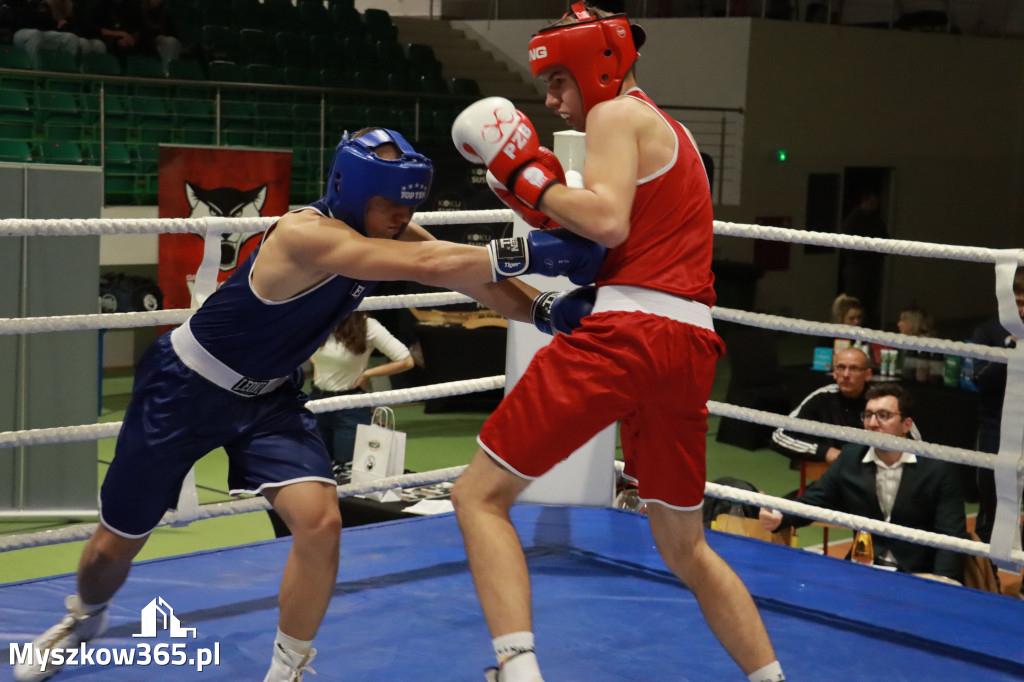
{"x":863,"y":549}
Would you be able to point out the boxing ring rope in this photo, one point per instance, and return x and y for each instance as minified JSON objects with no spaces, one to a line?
{"x":222,"y":225}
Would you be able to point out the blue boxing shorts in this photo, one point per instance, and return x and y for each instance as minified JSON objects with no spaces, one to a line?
{"x":176,"y":417}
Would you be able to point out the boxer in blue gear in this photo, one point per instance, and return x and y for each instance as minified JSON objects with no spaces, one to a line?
{"x":229,"y":377}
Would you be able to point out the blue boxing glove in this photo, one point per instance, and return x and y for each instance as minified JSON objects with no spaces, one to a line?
{"x":552,"y":253}
{"x":556,"y":312}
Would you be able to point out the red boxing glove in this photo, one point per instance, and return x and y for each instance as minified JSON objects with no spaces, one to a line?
{"x":532,"y":217}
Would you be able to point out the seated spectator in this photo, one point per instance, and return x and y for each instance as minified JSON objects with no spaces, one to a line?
{"x":900,"y":488}
{"x":915,"y":322}
{"x":119,"y":23}
{"x":159,"y":34}
{"x":840,"y":404}
{"x":45,"y":25}
{"x":847,"y":310}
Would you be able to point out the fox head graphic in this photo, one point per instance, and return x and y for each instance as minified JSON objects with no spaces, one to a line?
{"x":227,"y":202}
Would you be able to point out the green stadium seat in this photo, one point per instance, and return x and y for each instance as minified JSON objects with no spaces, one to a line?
{"x":264,"y":73}
{"x":314,"y":18}
{"x":217,"y":13}
{"x":195,"y":120}
{"x":358,"y":54}
{"x":433,"y":83}
{"x":61,"y":62}
{"x":14,"y":107}
{"x":186,"y":69}
{"x":401,"y":81}
{"x":368,"y":79}
{"x":12,"y":57}
{"x":239,"y":123}
{"x":347,"y":21}
{"x":463,"y":86}
{"x":229,"y":72}
{"x":378,"y":25}
{"x":282,"y":15}
{"x":101,"y":64}
{"x":384,"y":116}
{"x":221,"y":43}
{"x":59,"y":110}
{"x":295,"y":75}
{"x":147,"y":158}
{"x":390,"y":55}
{"x":292,"y":49}
{"x":345,"y":117}
{"x":257,"y":47}
{"x":324,"y":53}
{"x":276,"y":123}
{"x":336,"y":78}
{"x":306,"y":125}
{"x":60,"y":152}
{"x":15,"y":151}
{"x":142,"y":66}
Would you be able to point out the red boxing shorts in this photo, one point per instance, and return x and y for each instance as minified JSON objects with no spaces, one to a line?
{"x":651,"y":373}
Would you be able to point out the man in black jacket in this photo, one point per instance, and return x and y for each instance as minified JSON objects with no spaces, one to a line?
{"x":887,"y":485}
{"x":840,"y":404}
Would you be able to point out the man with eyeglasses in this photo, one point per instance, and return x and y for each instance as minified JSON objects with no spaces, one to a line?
{"x":839,"y":404}
{"x":893,"y":486}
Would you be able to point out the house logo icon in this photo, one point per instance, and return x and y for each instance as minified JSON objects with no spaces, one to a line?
{"x":159,"y":612}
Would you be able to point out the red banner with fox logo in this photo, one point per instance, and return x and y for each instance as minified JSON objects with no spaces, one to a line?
{"x":214,"y":181}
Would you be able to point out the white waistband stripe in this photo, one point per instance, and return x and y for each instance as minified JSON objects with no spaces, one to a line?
{"x":199,"y":360}
{"x":617,"y":297}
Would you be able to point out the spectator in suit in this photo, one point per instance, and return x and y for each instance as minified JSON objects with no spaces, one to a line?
{"x":893,"y":486}
{"x":840,"y":404}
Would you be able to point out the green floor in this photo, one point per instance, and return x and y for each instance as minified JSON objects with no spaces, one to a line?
{"x":433,"y":441}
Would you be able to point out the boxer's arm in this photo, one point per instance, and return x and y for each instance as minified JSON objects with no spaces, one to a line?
{"x":510,"y":298}
{"x":601,"y":210}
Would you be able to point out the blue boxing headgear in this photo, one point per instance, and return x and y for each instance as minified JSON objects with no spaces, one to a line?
{"x":357,"y":174}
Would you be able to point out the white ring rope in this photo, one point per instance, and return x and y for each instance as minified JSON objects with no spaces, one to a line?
{"x":209,"y":511}
{"x":204,"y":225}
{"x":87,"y":432}
{"x":20,"y":227}
{"x":889,"y":530}
{"x":55,"y":323}
{"x":58,"y":323}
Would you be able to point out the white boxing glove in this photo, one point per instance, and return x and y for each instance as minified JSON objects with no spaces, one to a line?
{"x":483,"y":128}
{"x":493,"y":132}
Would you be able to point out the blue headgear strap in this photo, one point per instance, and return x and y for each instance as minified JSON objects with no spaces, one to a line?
{"x":357,"y":174}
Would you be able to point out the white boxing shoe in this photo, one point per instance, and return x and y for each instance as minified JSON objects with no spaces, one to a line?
{"x":520,"y":668}
{"x":69,"y":633}
{"x":289,"y":666}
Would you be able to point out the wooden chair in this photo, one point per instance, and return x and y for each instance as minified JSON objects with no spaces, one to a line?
{"x":751,"y":528}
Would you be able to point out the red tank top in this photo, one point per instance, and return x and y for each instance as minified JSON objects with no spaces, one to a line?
{"x":670,"y":228}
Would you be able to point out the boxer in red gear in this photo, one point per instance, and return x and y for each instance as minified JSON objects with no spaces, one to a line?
{"x":645,"y":356}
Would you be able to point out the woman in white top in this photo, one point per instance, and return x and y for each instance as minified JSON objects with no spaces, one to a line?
{"x":340,"y":368}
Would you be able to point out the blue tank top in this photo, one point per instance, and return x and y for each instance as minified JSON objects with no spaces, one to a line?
{"x":269,"y":339}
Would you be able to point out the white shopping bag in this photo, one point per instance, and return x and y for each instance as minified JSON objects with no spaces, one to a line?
{"x":379,"y":453}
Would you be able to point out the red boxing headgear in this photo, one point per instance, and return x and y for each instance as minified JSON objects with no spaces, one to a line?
{"x":598,"y":52}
